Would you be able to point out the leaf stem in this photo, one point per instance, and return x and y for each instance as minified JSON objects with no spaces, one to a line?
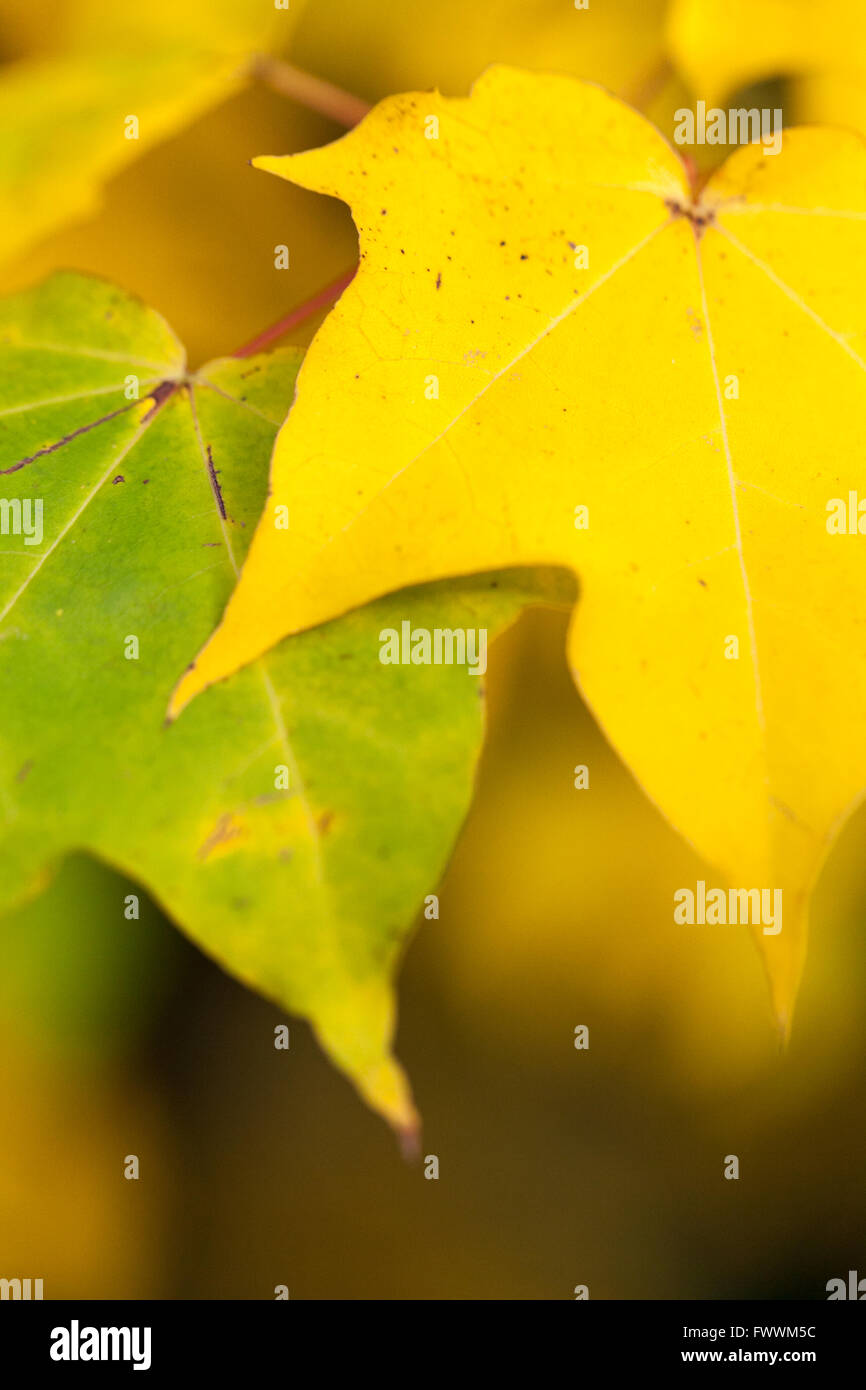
{"x":309,"y":91}
{"x":643,"y":92}
{"x":325,"y":297}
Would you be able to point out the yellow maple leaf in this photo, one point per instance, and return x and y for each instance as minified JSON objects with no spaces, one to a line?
{"x":117,"y":81}
{"x":554,"y":354}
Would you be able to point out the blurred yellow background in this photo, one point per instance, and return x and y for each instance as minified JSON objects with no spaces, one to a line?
{"x":557,"y":1166}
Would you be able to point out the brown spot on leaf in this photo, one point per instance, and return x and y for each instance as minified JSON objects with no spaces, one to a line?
{"x":226,"y":832}
{"x":214,"y":482}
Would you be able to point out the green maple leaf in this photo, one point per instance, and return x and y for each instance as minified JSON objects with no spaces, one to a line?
{"x":293,"y":823}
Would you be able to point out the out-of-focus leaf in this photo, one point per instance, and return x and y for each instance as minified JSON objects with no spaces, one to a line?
{"x":722,"y":45}
{"x":376,"y":47}
{"x":125,"y":78}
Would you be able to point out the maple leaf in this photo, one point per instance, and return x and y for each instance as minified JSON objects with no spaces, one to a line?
{"x":293,"y":826}
{"x":553,"y":354}
{"x":121,"y":80}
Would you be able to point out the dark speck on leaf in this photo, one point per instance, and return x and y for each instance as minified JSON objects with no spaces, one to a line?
{"x":703,"y":583}
{"x":524,"y":257}
{"x":439,"y":280}
{"x":119,"y":479}
{"x":144,"y":482}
